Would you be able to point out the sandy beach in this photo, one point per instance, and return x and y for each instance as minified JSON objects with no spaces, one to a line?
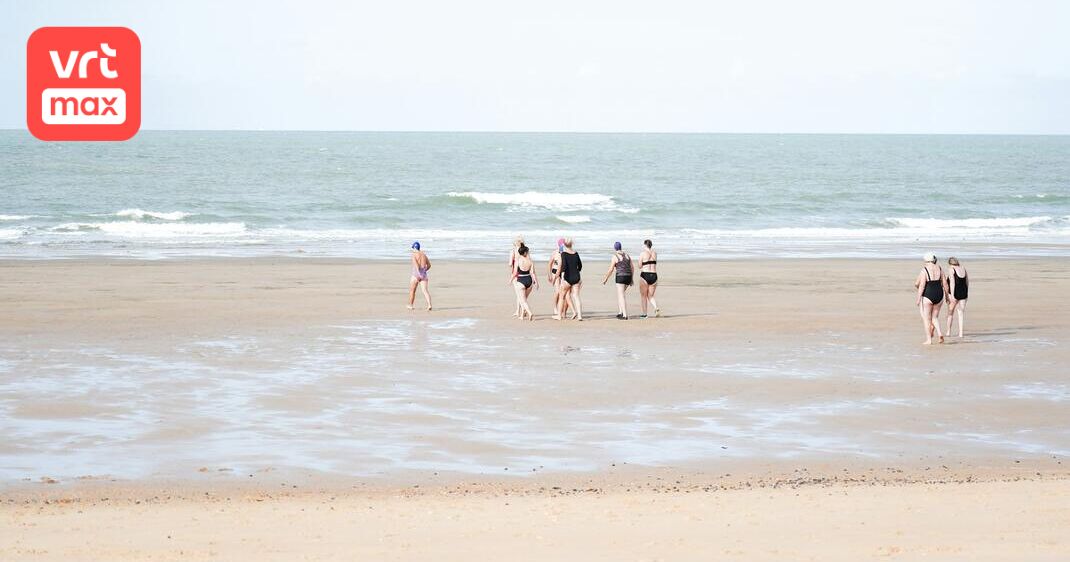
{"x":779,"y":409}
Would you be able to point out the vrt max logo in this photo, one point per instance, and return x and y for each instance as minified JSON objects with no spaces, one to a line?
{"x":83,"y":83}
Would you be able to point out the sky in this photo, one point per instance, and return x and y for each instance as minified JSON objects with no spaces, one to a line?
{"x":667,"y":66}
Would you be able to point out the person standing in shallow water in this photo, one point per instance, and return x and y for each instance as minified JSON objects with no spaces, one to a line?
{"x":958,"y":290}
{"x":621,"y":267}
{"x":648,"y":279}
{"x":421,"y":264}
{"x":930,"y":284}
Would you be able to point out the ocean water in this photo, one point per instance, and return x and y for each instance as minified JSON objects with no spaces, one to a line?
{"x":466,"y":195}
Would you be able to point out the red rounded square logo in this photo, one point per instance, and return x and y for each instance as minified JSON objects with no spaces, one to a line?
{"x":83,"y":83}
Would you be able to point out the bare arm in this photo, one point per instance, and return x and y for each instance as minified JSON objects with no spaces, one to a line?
{"x":920,"y":286}
{"x":612,"y":263}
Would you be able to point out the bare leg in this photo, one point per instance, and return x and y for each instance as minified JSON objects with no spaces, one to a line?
{"x":962,"y":317}
{"x":650,"y":296}
{"x":926,"y":311}
{"x":562,"y":301}
{"x":577,"y":305}
{"x":936,"y":321}
{"x":643,"y":288}
{"x":951,"y":306}
{"x":413,"y":282}
{"x":566,"y":289}
{"x":427,"y":293}
{"x":527,"y":307}
{"x":522,"y":299}
{"x":622,"y":303}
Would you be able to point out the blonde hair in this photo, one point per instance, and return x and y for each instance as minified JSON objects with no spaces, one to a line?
{"x":518,"y":241}
{"x":952,"y":261}
{"x":568,"y":243}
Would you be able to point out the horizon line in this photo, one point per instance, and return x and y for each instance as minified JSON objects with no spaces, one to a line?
{"x":548,"y":132}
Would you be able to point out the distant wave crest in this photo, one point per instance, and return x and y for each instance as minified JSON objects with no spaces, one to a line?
{"x":16,"y":217}
{"x":135,"y":229}
{"x":138,"y":214}
{"x":928,"y":223}
{"x":573,"y":219}
{"x":543,"y":200}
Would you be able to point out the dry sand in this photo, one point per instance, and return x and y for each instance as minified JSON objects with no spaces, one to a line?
{"x":971,"y":496}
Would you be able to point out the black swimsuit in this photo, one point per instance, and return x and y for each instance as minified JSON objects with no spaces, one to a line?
{"x":962,"y":287}
{"x":571,"y":265}
{"x":523,"y":276}
{"x":934,"y":290}
{"x":649,"y":276}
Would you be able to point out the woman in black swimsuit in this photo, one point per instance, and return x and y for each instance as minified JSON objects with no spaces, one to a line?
{"x":571,"y":265}
{"x":513,"y":256}
{"x":648,"y":279}
{"x":930,"y":285}
{"x":523,"y":281}
{"x":621,"y":266}
{"x":958,"y":290}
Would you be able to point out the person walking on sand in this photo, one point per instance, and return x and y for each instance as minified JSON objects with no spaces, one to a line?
{"x":513,"y":255}
{"x":958,"y":290}
{"x":420,"y":266}
{"x":930,"y":286}
{"x":648,"y":279}
{"x":621,"y":265}
{"x":554,"y":273}
{"x":571,"y":265}
{"x":524,"y":280}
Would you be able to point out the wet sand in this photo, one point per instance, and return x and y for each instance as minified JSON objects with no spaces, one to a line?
{"x":120,"y":379}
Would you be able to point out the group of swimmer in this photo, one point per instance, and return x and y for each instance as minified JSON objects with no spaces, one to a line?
{"x":563,"y":274}
{"x":934,"y":287}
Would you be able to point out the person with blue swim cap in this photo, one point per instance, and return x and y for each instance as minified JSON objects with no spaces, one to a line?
{"x":420,"y":266}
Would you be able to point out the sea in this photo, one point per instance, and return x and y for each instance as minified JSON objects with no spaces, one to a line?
{"x":174,"y":194}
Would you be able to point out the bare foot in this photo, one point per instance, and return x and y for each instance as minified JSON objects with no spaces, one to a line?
{"x":409,"y":306}
{"x":556,"y":317}
{"x":941,"y":339}
{"x":429,"y":308}
{"x":929,"y":342}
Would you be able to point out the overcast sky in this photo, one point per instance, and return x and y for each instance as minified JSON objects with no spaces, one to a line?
{"x":732,"y":66}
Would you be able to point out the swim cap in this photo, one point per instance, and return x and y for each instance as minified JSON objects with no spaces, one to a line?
{"x":416,"y":245}
{"x":560,"y":241}
{"x":930,"y":257}
{"x":616,"y":245}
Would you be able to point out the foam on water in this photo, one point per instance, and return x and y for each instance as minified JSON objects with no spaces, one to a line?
{"x":140,"y":214}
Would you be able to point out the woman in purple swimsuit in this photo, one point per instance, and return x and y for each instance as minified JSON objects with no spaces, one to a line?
{"x":420,"y":265}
